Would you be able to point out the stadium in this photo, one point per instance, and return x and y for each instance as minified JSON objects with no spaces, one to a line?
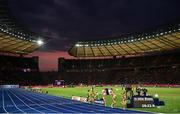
{"x":131,"y":73}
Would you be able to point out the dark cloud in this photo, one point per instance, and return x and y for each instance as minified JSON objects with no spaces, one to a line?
{"x":66,"y":21}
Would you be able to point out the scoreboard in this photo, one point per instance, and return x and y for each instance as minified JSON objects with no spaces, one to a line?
{"x":143,"y":101}
{"x":59,"y":82}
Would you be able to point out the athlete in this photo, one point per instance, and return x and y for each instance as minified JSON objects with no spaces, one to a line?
{"x":88,"y":96}
{"x":93,"y":96}
{"x":123,"y":102}
{"x":113,"y":95}
{"x":104,"y":96}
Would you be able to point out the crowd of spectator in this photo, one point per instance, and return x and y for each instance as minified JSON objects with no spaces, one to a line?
{"x":150,"y":69}
{"x":19,"y":70}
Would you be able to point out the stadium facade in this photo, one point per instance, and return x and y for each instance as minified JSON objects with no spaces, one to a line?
{"x":148,"y":57}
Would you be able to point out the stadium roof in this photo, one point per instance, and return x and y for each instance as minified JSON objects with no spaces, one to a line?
{"x":13,"y":38}
{"x":162,"y":39}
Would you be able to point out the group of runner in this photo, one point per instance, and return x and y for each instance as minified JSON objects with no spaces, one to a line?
{"x":92,"y":96}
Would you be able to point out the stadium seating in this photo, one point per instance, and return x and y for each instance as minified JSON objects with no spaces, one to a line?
{"x":13,"y":68}
{"x":152,"y":69}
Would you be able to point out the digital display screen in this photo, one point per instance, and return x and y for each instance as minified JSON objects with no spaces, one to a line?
{"x":142,"y":102}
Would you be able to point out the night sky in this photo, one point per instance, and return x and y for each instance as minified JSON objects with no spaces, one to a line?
{"x":67,"y":21}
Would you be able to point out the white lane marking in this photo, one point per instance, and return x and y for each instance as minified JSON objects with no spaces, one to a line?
{"x":23,"y":95}
{"x":77,"y":107}
{"x":14,"y":103}
{"x":94,"y":107}
{"x":46,"y":101}
{"x":25,"y":103}
{"x":3,"y":101}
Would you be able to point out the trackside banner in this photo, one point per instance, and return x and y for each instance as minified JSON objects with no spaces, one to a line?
{"x":81,"y":99}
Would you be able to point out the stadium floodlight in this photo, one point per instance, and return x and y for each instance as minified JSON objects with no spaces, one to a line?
{"x":40,"y":42}
{"x":86,"y":45}
{"x":77,"y":45}
{"x":161,"y":33}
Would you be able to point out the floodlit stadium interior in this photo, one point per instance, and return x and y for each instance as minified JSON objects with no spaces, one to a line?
{"x":149,"y":57}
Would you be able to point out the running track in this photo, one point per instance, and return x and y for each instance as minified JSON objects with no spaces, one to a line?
{"x":21,"y":101}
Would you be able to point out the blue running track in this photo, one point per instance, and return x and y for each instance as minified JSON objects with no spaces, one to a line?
{"x":21,"y":101}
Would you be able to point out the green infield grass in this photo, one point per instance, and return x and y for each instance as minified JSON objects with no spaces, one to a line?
{"x":171,"y":96}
